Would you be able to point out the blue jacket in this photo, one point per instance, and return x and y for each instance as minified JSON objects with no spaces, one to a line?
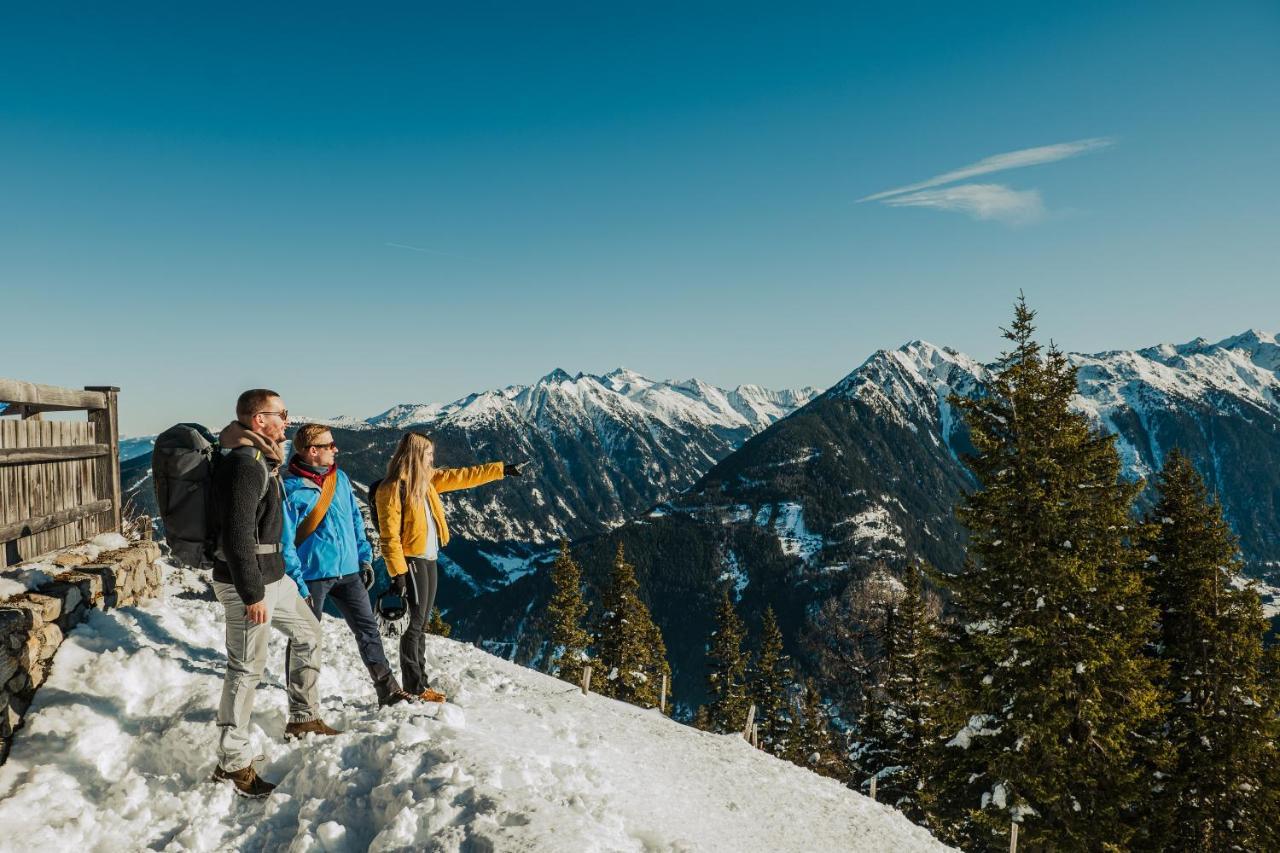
{"x":340,"y":544}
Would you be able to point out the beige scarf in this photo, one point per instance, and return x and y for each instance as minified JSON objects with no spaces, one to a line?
{"x":236,"y":434}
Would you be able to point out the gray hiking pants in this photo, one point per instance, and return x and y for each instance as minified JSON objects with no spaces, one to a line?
{"x":247,"y":657}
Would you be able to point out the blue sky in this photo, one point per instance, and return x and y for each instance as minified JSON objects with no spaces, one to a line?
{"x":365,"y":206}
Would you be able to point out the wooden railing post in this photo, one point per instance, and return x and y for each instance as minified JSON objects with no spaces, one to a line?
{"x":106,"y":427}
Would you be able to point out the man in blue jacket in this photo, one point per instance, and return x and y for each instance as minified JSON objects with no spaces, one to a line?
{"x":334,"y":552}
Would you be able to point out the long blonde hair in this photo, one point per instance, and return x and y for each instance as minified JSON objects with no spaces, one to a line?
{"x":409,"y":465}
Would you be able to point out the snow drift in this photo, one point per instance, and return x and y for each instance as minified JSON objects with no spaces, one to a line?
{"x":118,"y":748}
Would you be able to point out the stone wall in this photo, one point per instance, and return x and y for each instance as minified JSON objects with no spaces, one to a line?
{"x":33,"y":625}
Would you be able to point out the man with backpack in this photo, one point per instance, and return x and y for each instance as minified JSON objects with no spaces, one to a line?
{"x":254,"y":548}
{"x":333,"y":548}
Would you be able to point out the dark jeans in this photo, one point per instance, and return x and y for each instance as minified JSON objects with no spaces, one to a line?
{"x":352,"y":601}
{"x":413,"y":644}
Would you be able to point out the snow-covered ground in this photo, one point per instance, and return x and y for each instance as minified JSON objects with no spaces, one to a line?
{"x":118,"y":747}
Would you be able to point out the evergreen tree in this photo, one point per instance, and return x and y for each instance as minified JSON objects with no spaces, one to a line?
{"x":1056,"y":688}
{"x":817,"y":746}
{"x":629,"y":645}
{"x":1221,"y":723}
{"x":436,"y":624}
{"x":564,"y":615}
{"x":899,"y":722}
{"x":727,"y":671}
{"x":702,"y":718}
{"x":770,"y":683}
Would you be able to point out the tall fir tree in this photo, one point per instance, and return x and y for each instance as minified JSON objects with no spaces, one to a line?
{"x":817,"y":745}
{"x":1221,"y":723}
{"x":564,"y":615}
{"x":899,"y":724}
{"x":1055,"y":687}
{"x":727,"y":671}
{"x":770,"y":688}
{"x":629,"y":645}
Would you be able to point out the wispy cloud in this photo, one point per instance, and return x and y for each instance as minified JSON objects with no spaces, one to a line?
{"x":981,"y":201}
{"x":420,"y":249}
{"x":1001,"y":162}
{"x":989,"y":201}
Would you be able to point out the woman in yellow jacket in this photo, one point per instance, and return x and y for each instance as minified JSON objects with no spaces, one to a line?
{"x":412,"y":528}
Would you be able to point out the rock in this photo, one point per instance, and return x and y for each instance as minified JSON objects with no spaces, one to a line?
{"x":105,"y":580}
{"x":69,"y":593}
{"x":11,"y":714}
{"x":50,"y":639}
{"x":72,"y":618}
{"x":8,"y":666}
{"x":20,"y":615}
{"x":70,"y":559}
{"x":38,"y":675}
{"x":18,"y":683}
{"x":29,"y":653}
{"x":50,"y":605}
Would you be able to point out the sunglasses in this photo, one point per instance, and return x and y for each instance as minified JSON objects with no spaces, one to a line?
{"x":283,"y":414}
{"x":333,"y":445}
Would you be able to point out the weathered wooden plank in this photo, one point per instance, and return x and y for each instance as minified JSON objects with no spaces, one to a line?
{"x":29,"y":456}
{"x":51,"y":398}
{"x":34,"y":526}
{"x":8,"y":485}
{"x":107,"y":428}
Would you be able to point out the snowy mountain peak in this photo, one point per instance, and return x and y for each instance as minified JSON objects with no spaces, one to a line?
{"x":556,"y":376}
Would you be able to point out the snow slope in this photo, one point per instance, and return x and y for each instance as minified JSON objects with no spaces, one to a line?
{"x":119,"y":745}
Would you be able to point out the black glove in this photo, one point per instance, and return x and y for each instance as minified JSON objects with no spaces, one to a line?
{"x":511,"y":469}
{"x":398,"y":585}
{"x":366,"y":575}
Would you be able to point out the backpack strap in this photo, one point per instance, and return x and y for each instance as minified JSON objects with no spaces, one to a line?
{"x":318,"y":512}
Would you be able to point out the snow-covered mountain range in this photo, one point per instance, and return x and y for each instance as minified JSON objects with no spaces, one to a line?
{"x":674,"y":404}
{"x":869,"y":472}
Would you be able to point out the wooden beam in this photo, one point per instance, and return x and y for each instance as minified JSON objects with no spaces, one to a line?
{"x":106,"y":430}
{"x":32,"y":526}
{"x":34,"y":455}
{"x":50,"y":398}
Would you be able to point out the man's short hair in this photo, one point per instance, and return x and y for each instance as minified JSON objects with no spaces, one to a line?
{"x":252,"y":401}
{"x":307,"y":434}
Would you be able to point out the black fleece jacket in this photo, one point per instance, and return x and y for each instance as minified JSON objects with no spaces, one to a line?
{"x":248,"y":494}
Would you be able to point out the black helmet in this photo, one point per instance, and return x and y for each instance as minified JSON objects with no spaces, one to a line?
{"x":391,"y":607}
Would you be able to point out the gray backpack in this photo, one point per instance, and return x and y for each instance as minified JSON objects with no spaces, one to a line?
{"x":182,"y":466}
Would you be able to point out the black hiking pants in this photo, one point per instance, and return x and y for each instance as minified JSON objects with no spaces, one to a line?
{"x":352,"y":600}
{"x":413,"y":644}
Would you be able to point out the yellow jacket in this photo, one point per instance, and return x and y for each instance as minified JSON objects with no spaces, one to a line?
{"x":405,"y":532}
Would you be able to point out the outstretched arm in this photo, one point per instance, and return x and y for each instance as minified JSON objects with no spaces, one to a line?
{"x":453,"y":479}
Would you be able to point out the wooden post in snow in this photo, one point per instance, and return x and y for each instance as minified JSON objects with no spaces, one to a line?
{"x":586,"y":680}
{"x":874,"y":779}
{"x":662,"y":697}
{"x":751,"y":718}
{"x":1013,"y":838}
{"x":755,"y":735}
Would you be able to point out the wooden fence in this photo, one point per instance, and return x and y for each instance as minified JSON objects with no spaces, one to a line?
{"x":59,"y":480}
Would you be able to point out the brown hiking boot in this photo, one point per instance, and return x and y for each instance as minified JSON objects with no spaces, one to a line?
{"x":430,"y":695}
{"x":310,"y":727}
{"x":395,"y":697}
{"x":246,"y":781}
